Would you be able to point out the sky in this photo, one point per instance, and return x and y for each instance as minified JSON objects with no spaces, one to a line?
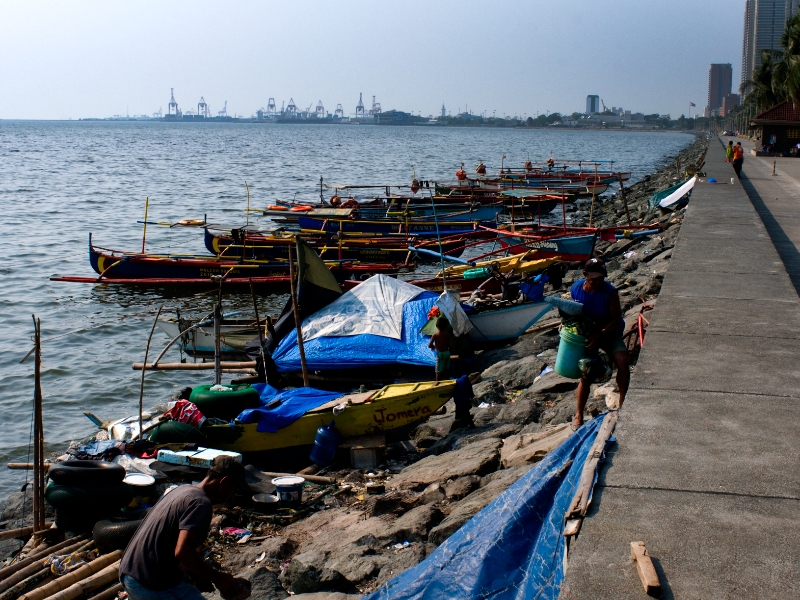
{"x":78,"y":59}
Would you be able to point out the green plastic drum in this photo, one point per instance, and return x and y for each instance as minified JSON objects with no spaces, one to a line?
{"x":571,"y":349}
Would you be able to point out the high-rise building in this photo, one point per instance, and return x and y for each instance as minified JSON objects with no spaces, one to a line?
{"x":764,"y":22}
{"x":729,"y":102}
{"x":719,"y":85}
{"x":592,"y":105}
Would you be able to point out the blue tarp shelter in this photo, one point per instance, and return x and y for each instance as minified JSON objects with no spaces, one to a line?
{"x":397,"y":337}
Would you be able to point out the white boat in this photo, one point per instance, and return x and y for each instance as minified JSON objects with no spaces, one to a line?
{"x":234,"y":334}
{"x":506,"y":323}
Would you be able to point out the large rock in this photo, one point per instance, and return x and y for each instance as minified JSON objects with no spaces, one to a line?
{"x":274,"y":549}
{"x":264,"y":585}
{"x":552,"y":383}
{"x":479,"y":458}
{"x":308,"y":573}
{"x":515,"y":374}
{"x":467,"y":508}
{"x":19,"y":505}
{"x":525,"y":409}
{"x":492,"y":392}
{"x":461,"y":487}
{"x":529,"y":448}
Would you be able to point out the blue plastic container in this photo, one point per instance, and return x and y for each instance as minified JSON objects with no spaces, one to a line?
{"x":325,"y":445}
{"x":571,"y":349}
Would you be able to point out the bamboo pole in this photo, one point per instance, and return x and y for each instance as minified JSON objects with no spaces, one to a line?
{"x":229,"y":366}
{"x":594,"y":194}
{"x":217,"y":341}
{"x":24,"y":466}
{"x":624,"y":199}
{"x":38,"y":433}
{"x":89,"y":584}
{"x":144,"y":231}
{"x":35,"y":579}
{"x":22,"y":532}
{"x":108,"y":594}
{"x":37,"y":565}
{"x":311,"y":478}
{"x":258,"y":320}
{"x":64,"y":582}
{"x":297,"y":323}
{"x":146,"y":352}
{"x":247,"y":217}
{"x":37,"y":555}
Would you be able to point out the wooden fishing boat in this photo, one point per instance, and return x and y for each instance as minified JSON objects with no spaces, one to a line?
{"x":506,"y":323}
{"x":197,"y":339}
{"x":393,"y":409}
{"x":410,"y":227}
{"x":330,"y":246}
{"x":118,"y":267}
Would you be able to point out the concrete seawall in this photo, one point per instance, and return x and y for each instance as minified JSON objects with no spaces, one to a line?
{"x":705,"y":468}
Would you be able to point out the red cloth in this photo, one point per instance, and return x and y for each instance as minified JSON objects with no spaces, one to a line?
{"x":186,"y":412}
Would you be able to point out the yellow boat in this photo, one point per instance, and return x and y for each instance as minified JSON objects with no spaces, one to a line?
{"x":518,"y":263}
{"x":389,"y":410}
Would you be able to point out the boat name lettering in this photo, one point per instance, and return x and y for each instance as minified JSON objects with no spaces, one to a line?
{"x":552,"y":245}
{"x":403,"y":414}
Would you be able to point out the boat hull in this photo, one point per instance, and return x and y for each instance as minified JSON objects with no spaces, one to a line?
{"x":391,"y":409}
{"x":506,"y":323}
{"x":418,"y":228}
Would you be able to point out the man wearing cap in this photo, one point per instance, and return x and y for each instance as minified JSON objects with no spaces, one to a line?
{"x":601,"y":304}
{"x":165,"y":546}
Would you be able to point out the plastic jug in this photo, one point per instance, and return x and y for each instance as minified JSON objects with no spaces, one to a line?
{"x":325,"y":445}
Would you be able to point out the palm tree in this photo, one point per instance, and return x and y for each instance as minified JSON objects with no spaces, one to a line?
{"x":760,"y":91}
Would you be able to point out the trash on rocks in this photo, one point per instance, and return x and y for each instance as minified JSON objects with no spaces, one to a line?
{"x":237,"y":531}
{"x":545,"y":371}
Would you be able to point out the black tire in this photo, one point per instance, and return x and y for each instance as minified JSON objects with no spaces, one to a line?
{"x":114,"y":534}
{"x":174,"y":432}
{"x":81,"y":521}
{"x":86,"y":499}
{"x":86,"y":472}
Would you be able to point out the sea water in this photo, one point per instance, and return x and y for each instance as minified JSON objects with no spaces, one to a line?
{"x":59,"y":181}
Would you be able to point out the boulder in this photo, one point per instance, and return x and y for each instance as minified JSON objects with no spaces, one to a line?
{"x":19,"y":505}
{"x":308,"y":572}
{"x":492,"y":392}
{"x":467,"y":508}
{"x":529,"y":448}
{"x":552,"y":382}
{"x":264,"y":585}
{"x":479,"y":458}
{"x":525,"y":409}
{"x":515,"y":374}
{"x":461,"y":487}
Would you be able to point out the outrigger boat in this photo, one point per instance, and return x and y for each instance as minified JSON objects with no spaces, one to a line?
{"x":392,"y":410}
{"x":407,"y":226}
{"x":133,"y":268}
{"x":369,"y":248}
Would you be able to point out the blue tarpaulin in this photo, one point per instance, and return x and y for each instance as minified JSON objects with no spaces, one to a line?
{"x":513,"y":548}
{"x":293,"y":404}
{"x":364,"y":350}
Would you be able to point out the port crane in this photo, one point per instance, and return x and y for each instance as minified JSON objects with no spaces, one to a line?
{"x":224,"y":111}
{"x":291,"y":108}
{"x":320,"y":110}
{"x":360,"y":107}
{"x":271,"y":108}
{"x":339,"y":112}
{"x":203,"y":109}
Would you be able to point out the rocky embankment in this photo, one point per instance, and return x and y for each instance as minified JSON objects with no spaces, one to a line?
{"x":443,"y":475}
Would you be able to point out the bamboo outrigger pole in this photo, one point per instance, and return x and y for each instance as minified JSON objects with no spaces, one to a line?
{"x":297,"y":323}
{"x":38,"y":432}
{"x":146,"y":352}
{"x":624,"y":199}
{"x":144,"y":231}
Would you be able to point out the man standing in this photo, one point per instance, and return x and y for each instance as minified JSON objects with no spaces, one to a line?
{"x":164,"y":547}
{"x":738,"y":159}
{"x":601,"y":304}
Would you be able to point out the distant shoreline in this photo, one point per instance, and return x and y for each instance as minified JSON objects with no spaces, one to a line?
{"x":438,"y":127}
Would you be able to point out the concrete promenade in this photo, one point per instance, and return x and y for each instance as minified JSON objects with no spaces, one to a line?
{"x":706,"y":468}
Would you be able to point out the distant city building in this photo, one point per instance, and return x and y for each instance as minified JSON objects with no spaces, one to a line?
{"x":764,"y":22}
{"x":592,"y":105}
{"x":729,"y":102}
{"x":720,"y":77}
{"x":444,"y":112}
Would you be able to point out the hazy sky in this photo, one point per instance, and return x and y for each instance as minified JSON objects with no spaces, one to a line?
{"x":72,"y":59}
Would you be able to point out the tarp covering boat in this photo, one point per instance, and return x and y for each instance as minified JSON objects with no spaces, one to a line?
{"x":513,"y":548}
{"x":290,"y":406}
{"x":671,"y":195}
{"x":364,"y":337}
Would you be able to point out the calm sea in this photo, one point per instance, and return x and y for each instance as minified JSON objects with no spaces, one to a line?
{"x":61,"y":180}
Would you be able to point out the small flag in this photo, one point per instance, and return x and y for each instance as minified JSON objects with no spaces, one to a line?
{"x":504,"y":156}
{"x":692,"y":104}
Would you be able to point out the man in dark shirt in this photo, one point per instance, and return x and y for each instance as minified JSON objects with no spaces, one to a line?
{"x":165,"y":545}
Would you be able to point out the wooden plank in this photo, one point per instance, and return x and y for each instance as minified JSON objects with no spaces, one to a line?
{"x":229,"y":366}
{"x":572,"y":527}
{"x":580,"y":501}
{"x":645,"y":568}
